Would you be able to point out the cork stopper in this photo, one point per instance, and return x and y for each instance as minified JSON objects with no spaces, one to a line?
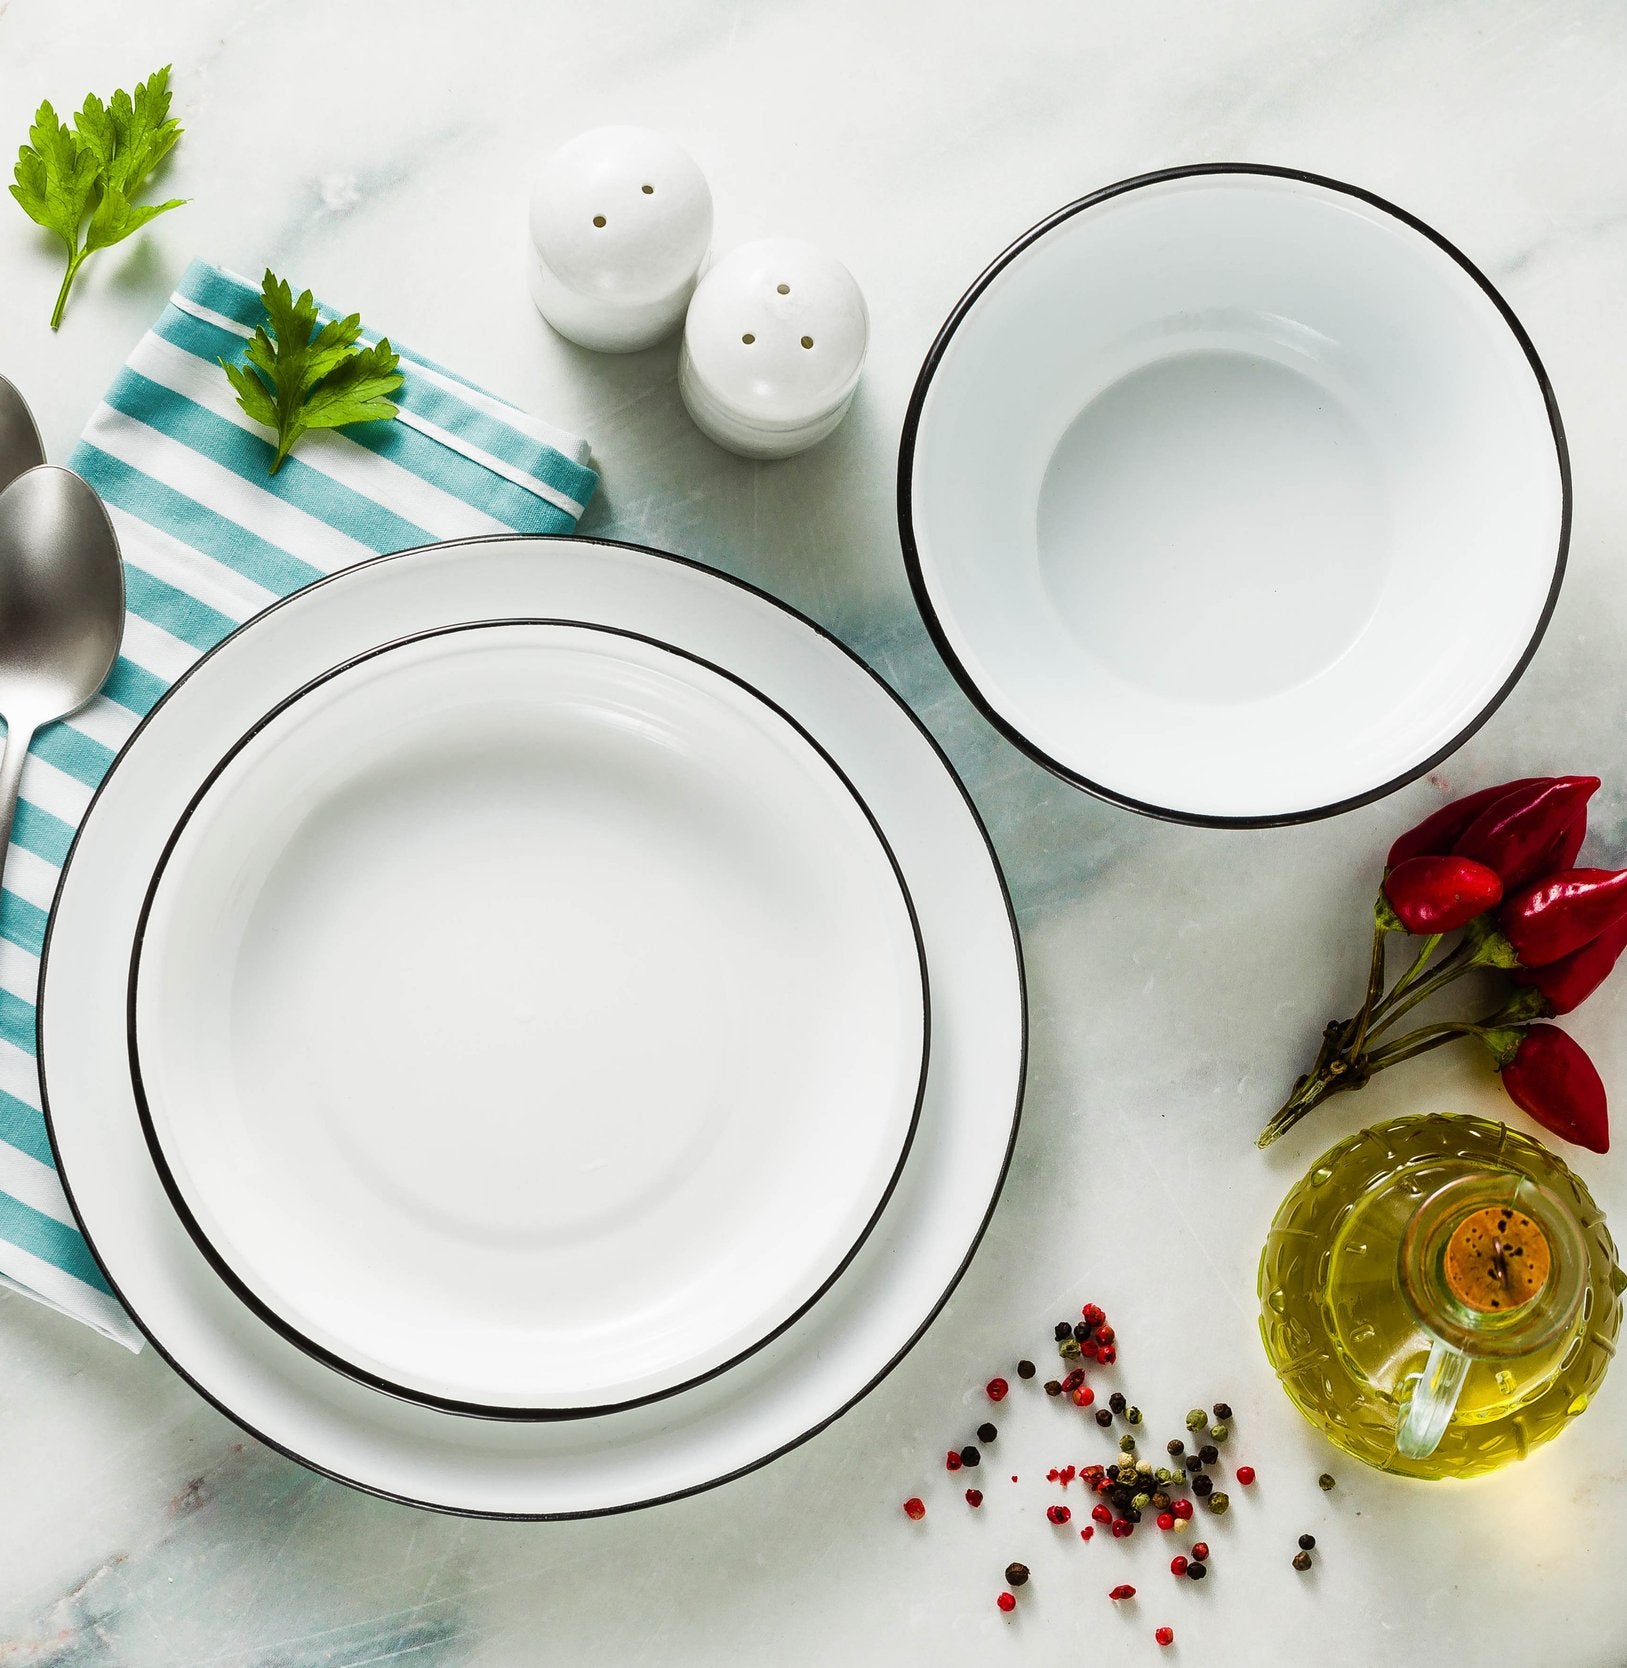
{"x":1496,"y":1260}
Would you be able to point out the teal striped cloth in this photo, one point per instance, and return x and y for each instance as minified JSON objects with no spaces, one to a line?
{"x":209,"y":539}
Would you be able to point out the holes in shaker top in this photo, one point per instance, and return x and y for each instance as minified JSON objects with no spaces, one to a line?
{"x":598,"y":220}
{"x":748,"y":338}
{"x":807,"y":341}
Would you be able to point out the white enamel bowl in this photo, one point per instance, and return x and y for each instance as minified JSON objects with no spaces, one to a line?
{"x":529,"y":1017}
{"x":1234,"y":495}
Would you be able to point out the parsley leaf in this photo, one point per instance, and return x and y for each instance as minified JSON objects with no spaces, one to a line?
{"x":96,"y":167}
{"x":310,"y":377}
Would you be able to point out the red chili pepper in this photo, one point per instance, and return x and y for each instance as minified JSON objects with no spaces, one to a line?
{"x":1567,"y":983}
{"x":1554,"y":917}
{"x":1438,"y":832}
{"x":1562,"y":853}
{"x":1513,"y":834}
{"x":1548,"y":1074}
{"x":1438,"y":894}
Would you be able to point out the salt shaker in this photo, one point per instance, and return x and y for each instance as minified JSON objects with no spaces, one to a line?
{"x":621,"y":219}
{"x":773,"y":346}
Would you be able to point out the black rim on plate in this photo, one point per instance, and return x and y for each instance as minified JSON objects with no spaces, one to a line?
{"x":711,"y":1482}
{"x":243,"y":1288}
{"x":929,"y":611}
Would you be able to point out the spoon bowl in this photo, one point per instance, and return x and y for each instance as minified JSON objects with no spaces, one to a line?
{"x":20,"y":447}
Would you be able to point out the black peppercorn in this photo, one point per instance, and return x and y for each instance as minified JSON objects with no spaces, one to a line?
{"x":1064,"y":1329}
{"x":986,"y":1433}
{"x":1223,"y":1411}
{"x":1103,"y":1417}
{"x":1208,"y":1453}
{"x":1116,"y":1401}
{"x":970,"y":1456}
{"x":1202,"y":1484}
{"x":1193,"y":1463}
{"x":1306,"y":1542}
{"x":1053,"y":1387}
{"x":1196,"y":1570}
{"x":1175,"y":1445}
{"x":1325,"y":1481}
{"x":1302,"y":1561}
{"x":1081,"y":1330}
{"x":1025,"y":1369}
{"x":1016,"y":1574}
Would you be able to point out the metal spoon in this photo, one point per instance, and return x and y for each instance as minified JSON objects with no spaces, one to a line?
{"x":20,"y":447}
{"x":61,"y":611}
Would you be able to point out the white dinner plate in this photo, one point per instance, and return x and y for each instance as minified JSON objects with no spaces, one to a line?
{"x":528,"y":1017}
{"x":1234,"y":495}
{"x":813,"y":1370}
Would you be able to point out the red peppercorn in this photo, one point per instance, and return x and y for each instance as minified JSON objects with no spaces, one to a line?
{"x":1083,"y":1396}
{"x":1164,"y":1635}
{"x":1007,"y":1602}
{"x":1072,"y":1381}
{"x":1181,"y":1508}
{"x":1200,"y":1551}
{"x":1094,"y":1313}
{"x":1102,"y":1514}
{"x":1245,"y":1475}
{"x":1058,"y":1514}
{"x":951,"y":1461}
{"x":1166,"y":1520}
{"x":1177,"y":1565}
{"x":915,"y":1508}
{"x":974,"y":1497}
{"x":1122,"y":1591}
{"x":1086,"y":1532}
{"x":996,"y":1389}
{"x":1105,"y":1334}
{"x":1107,"y":1356}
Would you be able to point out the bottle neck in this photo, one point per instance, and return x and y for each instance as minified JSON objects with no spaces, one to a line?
{"x":1493,"y":1265}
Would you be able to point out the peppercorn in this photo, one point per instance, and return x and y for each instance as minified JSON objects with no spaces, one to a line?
{"x":1196,"y":1419}
{"x":1101,"y":1514}
{"x":1223,"y":1410}
{"x":1053,"y":1387}
{"x":1245,"y":1475}
{"x":1193,"y":1463}
{"x":1164,"y":1635}
{"x":1141,"y":1501}
{"x":1177,"y":1565}
{"x":1219,"y":1433}
{"x":952,"y":1461}
{"x":1122,"y":1591}
{"x":1103,"y":1417}
{"x":1073,"y":1380}
{"x":1306,"y":1542}
{"x":1116,"y":1401}
{"x":1083,"y":1396}
{"x":1025,"y":1369}
{"x":1057,"y":1514}
{"x":1165,"y":1522}
{"x":1202,"y":1484}
{"x":1197,"y":1572}
{"x":1220,"y":1502}
{"x":1133,"y":1415}
{"x":1064,"y":1329}
{"x":1302,"y":1561}
{"x":996,"y":1389}
{"x":1208,"y":1454}
{"x":1325,"y":1481}
{"x":970,"y":1456}
{"x":1086,"y":1532}
{"x":1200,"y":1551}
{"x":915,"y":1508}
{"x":974,"y":1497}
{"x":1007,"y":1602}
{"x":1175,"y":1445}
{"x":1181,"y":1525}
{"x":1069,"y":1347}
{"x":1161,"y":1500}
{"x":1181,"y":1508}
{"x":1016,"y":1574}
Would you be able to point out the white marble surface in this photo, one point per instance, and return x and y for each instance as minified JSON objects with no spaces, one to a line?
{"x":1177,"y":976}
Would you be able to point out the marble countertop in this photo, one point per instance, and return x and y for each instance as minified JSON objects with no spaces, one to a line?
{"x":1178,"y":976}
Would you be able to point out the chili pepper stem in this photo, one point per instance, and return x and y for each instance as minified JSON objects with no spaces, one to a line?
{"x":1402,"y":985}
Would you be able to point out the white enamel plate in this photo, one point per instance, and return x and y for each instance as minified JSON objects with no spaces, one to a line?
{"x":529,"y":1017}
{"x":802,"y":1378}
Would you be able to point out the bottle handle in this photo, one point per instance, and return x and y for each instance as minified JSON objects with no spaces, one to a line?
{"x":1434,"y":1400}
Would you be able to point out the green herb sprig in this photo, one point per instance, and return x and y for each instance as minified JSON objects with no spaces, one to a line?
{"x":95,"y":167}
{"x":310,"y":377}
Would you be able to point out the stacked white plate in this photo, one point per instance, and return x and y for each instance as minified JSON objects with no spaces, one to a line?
{"x":485,"y":1027}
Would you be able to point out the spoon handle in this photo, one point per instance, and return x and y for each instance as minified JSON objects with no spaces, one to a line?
{"x":18,"y":738}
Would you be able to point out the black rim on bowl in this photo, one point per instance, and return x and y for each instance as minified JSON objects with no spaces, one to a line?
{"x":244,"y":1288}
{"x":915,"y":1336}
{"x":929,"y":611}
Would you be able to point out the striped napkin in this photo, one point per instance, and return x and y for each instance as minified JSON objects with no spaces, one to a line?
{"x":209,"y":539}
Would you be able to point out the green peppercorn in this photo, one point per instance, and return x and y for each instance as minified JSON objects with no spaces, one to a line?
{"x":1306,"y":1542}
{"x":1163,"y":1474}
{"x":1325,"y":1481}
{"x":1196,"y":1419}
{"x":1223,"y":1410}
{"x":1202,"y":1484}
{"x":1208,"y":1454}
{"x":1016,"y":1575}
{"x":1220,"y":1502}
{"x":1141,"y":1501}
{"x":1133,"y":1414}
{"x":1175,"y":1445}
{"x":1302,"y":1561}
{"x":1219,"y":1433}
{"x":1068,"y":1348}
{"x":1116,"y":1401}
{"x":1053,"y":1387}
{"x":1103,"y":1417}
{"x":1127,"y":1443}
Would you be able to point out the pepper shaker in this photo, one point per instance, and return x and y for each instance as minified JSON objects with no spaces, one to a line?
{"x":773,"y":346}
{"x":621,"y":218}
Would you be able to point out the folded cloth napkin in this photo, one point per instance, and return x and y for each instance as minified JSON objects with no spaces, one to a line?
{"x":210,"y":538}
